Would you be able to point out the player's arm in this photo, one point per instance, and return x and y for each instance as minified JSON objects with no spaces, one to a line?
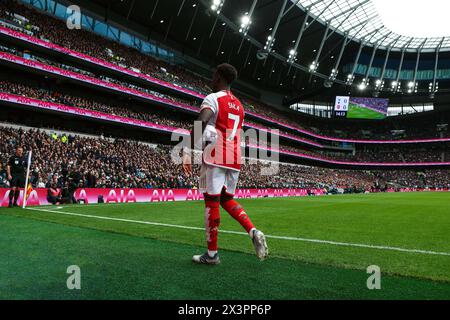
{"x":205,"y":115}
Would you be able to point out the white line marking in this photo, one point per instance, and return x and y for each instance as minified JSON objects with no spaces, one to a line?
{"x":122,"y":204}
{"x":335,"y":243}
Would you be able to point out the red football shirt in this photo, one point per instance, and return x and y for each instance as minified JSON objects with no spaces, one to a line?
{"x":225,"y":151}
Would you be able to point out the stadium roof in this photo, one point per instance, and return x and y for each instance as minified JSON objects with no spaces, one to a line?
{"x":396,"y":24}
{"x":277,"y":45}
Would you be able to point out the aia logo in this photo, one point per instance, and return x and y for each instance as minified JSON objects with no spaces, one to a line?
{"x":233,"y":106}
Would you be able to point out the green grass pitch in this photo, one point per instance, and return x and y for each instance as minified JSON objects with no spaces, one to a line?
{"x":320,"y":249}
{"x":357,"y":112}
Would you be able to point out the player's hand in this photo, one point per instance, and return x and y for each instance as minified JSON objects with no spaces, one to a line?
{"x":9,"y":177}
{"x":187,"y":164}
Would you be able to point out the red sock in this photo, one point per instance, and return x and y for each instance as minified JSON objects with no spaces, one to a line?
{"x":212,"y":221}
{"x":237,"y":212}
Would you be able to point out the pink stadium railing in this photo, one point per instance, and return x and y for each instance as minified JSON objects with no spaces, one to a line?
{"x":121,"y":89}
{"x":48,"y":45}
{"x":45,"y":105}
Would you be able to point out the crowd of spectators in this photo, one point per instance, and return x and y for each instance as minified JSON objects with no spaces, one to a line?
{"x":116,"y":163}
{"x":123,"y":109}
{"x":377,"y":154}
{"x":124,"y":84}
{"x":416,"y":179}
{"x":397,"y":154}
{"x":54,"y":30}
{"x":408,"y":127}
{"x":102,"y":162}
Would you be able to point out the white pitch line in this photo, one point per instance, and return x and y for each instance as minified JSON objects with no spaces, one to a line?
{"x":335,"y":243}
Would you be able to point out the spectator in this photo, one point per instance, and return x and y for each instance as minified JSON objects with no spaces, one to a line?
{"x":53,"y":194}
{"x":3,"y":177}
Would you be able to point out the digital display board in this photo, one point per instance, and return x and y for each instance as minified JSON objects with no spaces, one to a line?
{"x":361,"y":108}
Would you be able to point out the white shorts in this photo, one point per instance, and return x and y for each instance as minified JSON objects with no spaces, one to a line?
{"x":213,"y":179}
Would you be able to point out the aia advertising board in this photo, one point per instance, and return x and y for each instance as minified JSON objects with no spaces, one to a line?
{"x":38,"y":197}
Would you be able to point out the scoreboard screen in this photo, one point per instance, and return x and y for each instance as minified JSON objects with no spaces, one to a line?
{"x":361,"y":108}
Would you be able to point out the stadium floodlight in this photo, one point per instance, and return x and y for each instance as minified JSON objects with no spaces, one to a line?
{"x":396,"y":86}
{"x":433,"y":88}
{"x":313,"y":67}
{"x":364,"y":84}
{"x":350,"y":79}
{"x":245,"y":24}
{"x":245,"y":20}
{"x":292,"y":56}
{"x":333,"y":75}
{"x":412,"y":87}
{"x":269,"y":43}
{"x":379,"y":85}
{"x":217,"y":5}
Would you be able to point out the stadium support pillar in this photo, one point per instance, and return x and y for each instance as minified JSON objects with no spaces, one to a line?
{"x":154,"y":9}
{"x":271,"y":70}
{"x":386,"y":59}
{"x":280,"y":16}
{"x":305,"y":25}
{"x":341,"y":54}
{"x":168,"y":29}
{"x":221,"y":40}
{"x":131,"y":9}
{"x":200,"y":47}
{"x":256,"y":68}
{"x":372,"y":58}
{"x":299,"y":38}
{"x":402,"y":60}
{"x":250,"y":14}
{"x":355,"y":65}
{"x":181,"y":7}
{"x":419,"y":53}
{"x":213,"y":27}
{"x":248,"y":53}
{"x":192,"y":23}
{"x":322,"y":43}
{"x":328,"y":34}
{"x":344,"y":45}
{"x":271,"y":39}
{"x":363,"y":44}
{"x":436,"y":63}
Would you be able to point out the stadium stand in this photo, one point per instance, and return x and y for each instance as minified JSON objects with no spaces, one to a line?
{"x":114,"y":162}
{"x":53,"y":30}
{"x":368,"y":154}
